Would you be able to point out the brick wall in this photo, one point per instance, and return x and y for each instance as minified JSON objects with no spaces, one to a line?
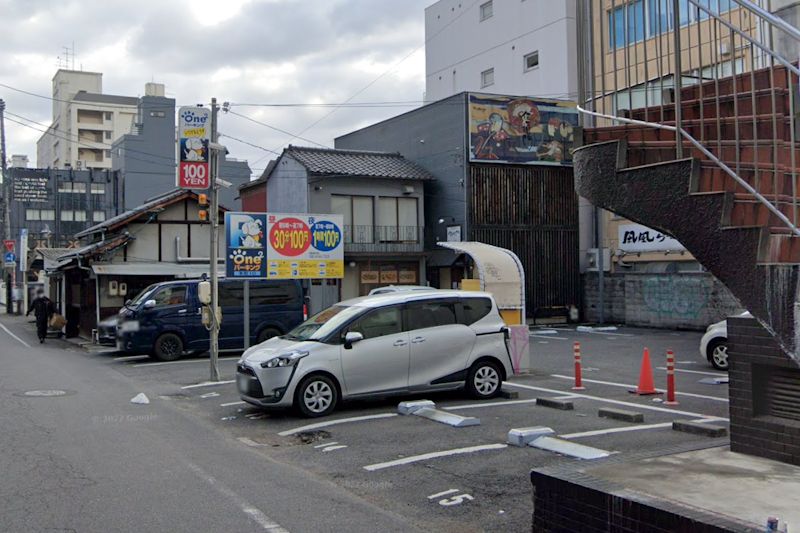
{"x":684,"y":300}
{"x":754,"y":355}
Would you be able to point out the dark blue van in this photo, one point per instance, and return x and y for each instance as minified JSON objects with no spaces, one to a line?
{"x":165,"y":319}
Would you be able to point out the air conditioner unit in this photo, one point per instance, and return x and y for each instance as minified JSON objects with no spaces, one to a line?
{"x":80,"y":163}
{"x":592,"y":260}
{"x":725,"y":48}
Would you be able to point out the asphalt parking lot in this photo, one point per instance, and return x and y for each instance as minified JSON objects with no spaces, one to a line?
{"x":459,"y":479}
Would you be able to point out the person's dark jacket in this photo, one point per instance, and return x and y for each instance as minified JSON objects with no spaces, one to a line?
{"x":42,"y":307}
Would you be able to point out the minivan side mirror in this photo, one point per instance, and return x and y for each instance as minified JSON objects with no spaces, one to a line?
{"x":149,"y":304}
{"x":128,"y":302}
{"x":351,"y":337}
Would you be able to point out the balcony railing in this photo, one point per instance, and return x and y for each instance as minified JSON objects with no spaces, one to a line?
{"x":383,"y":239}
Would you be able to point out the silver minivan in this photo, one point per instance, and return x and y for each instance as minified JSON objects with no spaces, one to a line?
{"x":377,"y":346}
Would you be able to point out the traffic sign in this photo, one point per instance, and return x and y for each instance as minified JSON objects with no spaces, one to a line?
{"x":9,"y":244}
{"x":10,"y":257}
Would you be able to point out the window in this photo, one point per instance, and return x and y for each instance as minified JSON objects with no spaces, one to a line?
{"x":473,"y":309}
{"x":98,"y":188}
{"x":487,"y":10}
{"x":98,"y":216}
{"x":32,"y":214}
{"x":107,"y":154}
{"x":69,"y":215}
{"x":80,"y":216}
{"x":431,"y":314}
{"x":108,"y":115}
{"x":357,"y":212}
{"x":487,"y":77}
{"x":273,"y":293}
{"x":379,"y":323}
{"x":531,"y":61}
{"x":71,"y":187}
{"x":626,"y":24}
{"x":47,"y":214}
{"x":107,"y":135}
{"x":397,"y":219}
{"x":171,"y":295}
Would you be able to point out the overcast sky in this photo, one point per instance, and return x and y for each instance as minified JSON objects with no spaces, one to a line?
{"x":241,"y":51}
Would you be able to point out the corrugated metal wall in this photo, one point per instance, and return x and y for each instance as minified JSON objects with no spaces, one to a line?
{"x":533,"y":211}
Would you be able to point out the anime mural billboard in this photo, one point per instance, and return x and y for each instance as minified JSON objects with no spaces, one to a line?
{"x":509,"y":129}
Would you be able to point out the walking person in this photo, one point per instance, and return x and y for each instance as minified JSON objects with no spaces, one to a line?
{"x":43,"y":309}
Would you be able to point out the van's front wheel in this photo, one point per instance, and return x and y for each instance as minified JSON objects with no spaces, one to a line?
{"x":266,"y":334}
{"x":168,"y":347}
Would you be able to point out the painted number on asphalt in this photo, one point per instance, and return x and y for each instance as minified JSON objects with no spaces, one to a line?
{"x":331,"y":446}
{"x":457,"y":497}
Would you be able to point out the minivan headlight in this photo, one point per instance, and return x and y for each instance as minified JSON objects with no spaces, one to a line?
{"x":284,"y":360}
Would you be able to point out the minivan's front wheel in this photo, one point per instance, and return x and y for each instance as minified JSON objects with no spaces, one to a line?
{"x":266,"y":334}
{"x":316,"y":395}
{"x":718,"y":354}
{"x":168,"y":347}
{"x":484,"y":380}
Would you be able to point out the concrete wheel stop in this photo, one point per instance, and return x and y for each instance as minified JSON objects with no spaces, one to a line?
{"x":427,"y":409}
{"x":540,"y":437}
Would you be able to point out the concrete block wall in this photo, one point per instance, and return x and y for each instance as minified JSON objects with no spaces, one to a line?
{"x":753,"y":353}
{"x":681,"y":301}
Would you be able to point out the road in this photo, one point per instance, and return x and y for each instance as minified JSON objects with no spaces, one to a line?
{"x":196,"y":458}
{"x":90,"y":460}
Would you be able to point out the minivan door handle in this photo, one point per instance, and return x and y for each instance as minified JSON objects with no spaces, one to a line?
{"x":417,"y":340}
{"x":399,"y":342}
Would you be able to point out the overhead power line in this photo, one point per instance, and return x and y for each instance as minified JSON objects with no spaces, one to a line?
{"x":81,"y":102}
{"x":276,"y":129}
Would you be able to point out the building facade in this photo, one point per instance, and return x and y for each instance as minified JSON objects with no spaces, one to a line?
{"x":523,"y":47}
{"x":503,"y":177}
{"x":85,"y":122}
{"x":381,"y":197}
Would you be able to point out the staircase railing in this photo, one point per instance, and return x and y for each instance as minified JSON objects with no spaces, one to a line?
{"x":628,"y":65}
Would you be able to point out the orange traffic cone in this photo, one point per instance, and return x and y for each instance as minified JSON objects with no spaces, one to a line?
{"x":646,"y":382}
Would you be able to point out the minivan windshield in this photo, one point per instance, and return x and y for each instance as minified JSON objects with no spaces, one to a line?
{"x":142,"y":296}
{"x":324,"y":323}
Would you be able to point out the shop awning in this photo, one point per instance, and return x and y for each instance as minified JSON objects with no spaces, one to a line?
{"x":178,"y":270}
{"x":500,"y":272}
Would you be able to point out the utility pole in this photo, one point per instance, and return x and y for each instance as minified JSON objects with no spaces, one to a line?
{"x":214,"y":219}
{"x":6,"y":200}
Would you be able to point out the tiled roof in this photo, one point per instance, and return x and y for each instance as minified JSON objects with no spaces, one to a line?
{"x":326,"y":161}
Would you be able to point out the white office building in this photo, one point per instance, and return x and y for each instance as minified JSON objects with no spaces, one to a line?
{"x":517,"y":47}
{"x":85,"y":122}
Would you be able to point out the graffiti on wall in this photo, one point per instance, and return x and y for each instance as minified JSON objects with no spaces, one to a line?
{"x":521,"y":130}
{"x":679,"y":297}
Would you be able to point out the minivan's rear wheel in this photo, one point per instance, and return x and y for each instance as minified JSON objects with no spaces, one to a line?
{"x":484,"y":379}
{"x":266,"y":334}
{"x":316,"y":395}
{"x":168,"y":347}
{"x":718,"y":354}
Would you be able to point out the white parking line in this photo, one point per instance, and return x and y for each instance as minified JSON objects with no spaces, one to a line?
{"x":184,"y":361}
{"x":549,"y":337}
{"x":486,"y":404}
{"x":25,"y":344}
{"x":715,"y":374}
{"x":229,"y":404}
{"x":616,"y":402}
{"x":606,"y":333}
{"x":334,"y":422}
{"x":434,"y":455}
{"x":131,"y":358}
{"x":632,"y":387}
{"x":255,"y":514}
{"x":633,"y":428}
{"x":208,"y":384}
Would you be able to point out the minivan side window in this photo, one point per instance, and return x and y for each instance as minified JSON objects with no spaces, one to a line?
{"x":431,"y":313}
{"x":170,"y":295}
{"x":473,"y":309}
{"x":379,"y":323}
{"x":231,"y":294}
{"x":273,"y":292}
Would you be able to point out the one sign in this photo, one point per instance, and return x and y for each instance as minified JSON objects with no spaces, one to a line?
{"x":9,"y":244}
{"x":370,"y":276}
{"x":638,"y":238}
{"x":304,"y":246}
{"x":31,"y":188}
{"x":194,"y":133}
{"x":453,"y":233}
{"x":245,"y":245}
{"x":23,"y":250}
{"x":508,"y":129}
{"x":284,"y":246}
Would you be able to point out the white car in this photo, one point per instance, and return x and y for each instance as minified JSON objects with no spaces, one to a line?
{"x":376,"y":346}
{"x":399,"y":288}
{"x":714,"y":344}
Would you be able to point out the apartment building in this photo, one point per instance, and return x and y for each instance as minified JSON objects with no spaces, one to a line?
{"x":85,"y":122}
{"x":521,"y":47}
